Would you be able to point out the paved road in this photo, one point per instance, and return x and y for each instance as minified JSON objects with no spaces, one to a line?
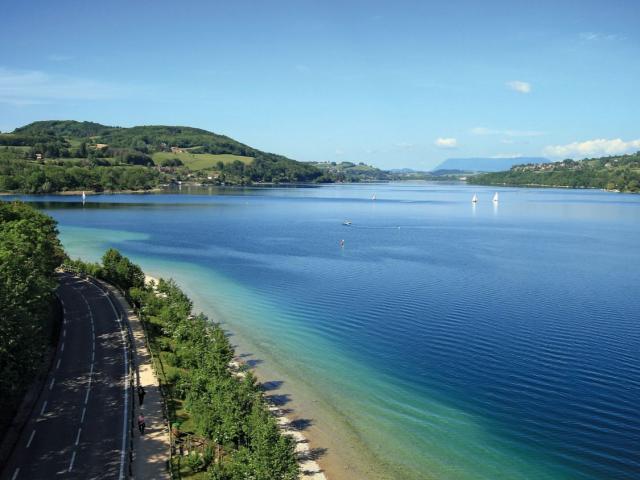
{"x":79,"y":426}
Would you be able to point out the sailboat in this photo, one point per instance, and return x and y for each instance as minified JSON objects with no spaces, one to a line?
{"x":84,"y":197}
{"x":374,"y":196}
{"x":495,"y":197}
{"x":474,"y":199}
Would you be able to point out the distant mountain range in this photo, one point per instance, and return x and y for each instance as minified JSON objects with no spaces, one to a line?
{"x":484,"y":164}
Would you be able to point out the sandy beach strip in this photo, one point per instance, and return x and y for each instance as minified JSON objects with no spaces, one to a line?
{"x":309,"y":468}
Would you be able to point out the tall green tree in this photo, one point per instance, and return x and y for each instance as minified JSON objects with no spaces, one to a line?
{"x":29,"y":254}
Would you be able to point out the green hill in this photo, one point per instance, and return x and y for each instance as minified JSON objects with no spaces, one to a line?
{"x":620,"y":173}
{"x":58,"y":155}
{"x":352,"y":172}
{"x":64,"y":128}
{"x":145,"y":139}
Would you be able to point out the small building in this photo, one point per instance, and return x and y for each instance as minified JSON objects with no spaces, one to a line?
{"x":39,"y":156}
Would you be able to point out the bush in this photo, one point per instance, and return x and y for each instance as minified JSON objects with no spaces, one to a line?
{"x":171,"y":162}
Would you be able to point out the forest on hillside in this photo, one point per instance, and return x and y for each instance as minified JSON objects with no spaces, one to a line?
{"x":617,"y":173}
{"x":53,"y":156}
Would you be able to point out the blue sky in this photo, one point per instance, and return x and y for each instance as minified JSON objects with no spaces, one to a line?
{"x":394,"y":84}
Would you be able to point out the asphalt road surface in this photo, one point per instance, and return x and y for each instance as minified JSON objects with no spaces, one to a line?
{"x":78,"y":428}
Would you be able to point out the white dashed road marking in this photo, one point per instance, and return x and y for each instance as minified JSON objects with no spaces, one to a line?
{"x":31,"y":438}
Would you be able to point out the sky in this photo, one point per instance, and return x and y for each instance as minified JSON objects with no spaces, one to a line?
{"x":388,"y":83}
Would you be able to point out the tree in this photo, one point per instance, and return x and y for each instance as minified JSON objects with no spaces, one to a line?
{"x":121,"y":271}
{"x":171,"y":162}
{"x":81,"y":152}
{"x":29,"y":254}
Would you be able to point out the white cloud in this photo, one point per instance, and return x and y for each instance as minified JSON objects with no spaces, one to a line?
{"x":28,"y":87}
{"x":592,"y":148}
{"x":597,"y":36}
{"x":446,"y":142}
{"x":519,"y":86}
{"x":508,"y":133}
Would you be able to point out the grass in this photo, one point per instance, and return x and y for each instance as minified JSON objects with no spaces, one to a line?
{"x":200,"y":161}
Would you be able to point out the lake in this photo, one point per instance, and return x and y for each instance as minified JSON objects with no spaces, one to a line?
{"x":442,"y":340}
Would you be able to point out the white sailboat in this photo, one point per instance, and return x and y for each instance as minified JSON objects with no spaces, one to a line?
{"x":374,"y":196}
{"x":84,"y":197}
{"x":474,"y":199}
{"x":495,"y":197}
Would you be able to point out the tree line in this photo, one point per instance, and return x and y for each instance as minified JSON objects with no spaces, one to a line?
{"x":620,"y":173}
{"x":224,"y":408}
{"x":29,"y":254}
{"x":49,"y":177}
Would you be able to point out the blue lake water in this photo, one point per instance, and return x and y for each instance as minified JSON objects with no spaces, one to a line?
{"x":441,"y":341}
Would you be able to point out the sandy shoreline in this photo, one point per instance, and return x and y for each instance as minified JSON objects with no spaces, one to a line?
{"x":309,"y":467}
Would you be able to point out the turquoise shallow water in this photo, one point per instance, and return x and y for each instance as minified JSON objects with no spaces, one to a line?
{"x":443,"y":340}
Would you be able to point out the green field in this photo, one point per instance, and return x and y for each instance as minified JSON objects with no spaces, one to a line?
{"x":200,"y":161}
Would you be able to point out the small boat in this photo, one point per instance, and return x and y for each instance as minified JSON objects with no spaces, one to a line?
{"x":84,"y":197}
{"x":374,"y":197}
{"x":474,"y":199}
{"x":347,"y":223}
{"x":495,"y":197}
